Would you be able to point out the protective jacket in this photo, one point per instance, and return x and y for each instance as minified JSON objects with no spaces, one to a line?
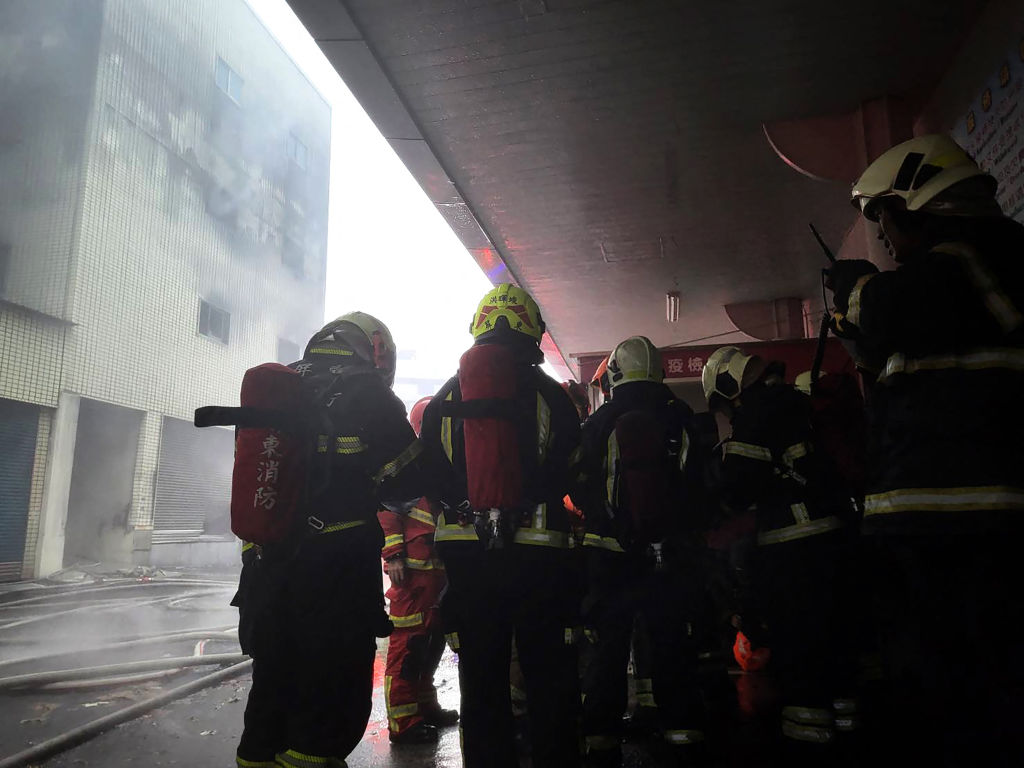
{"x":607,"y":527}
{"x":770,"y":462}
{"x":411,"y":536}
{"x":945,"y":334}
{"x":549,"y":435}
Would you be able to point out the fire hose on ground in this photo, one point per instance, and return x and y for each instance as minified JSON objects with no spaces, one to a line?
{"x":83,"y":733}
{"x":108,"y":670}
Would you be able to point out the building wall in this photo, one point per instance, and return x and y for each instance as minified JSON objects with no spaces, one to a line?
{"x":148,"y":185}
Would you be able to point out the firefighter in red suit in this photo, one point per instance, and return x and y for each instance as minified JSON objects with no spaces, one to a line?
{"x":415,"y":647}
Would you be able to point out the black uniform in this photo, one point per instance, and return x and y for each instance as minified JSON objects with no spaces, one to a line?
{"x":658,"y":579}
{"x":525,"y":588}
{"x":945,"y":495}
{"x":318,"y":599}
{"x":770,"y":463}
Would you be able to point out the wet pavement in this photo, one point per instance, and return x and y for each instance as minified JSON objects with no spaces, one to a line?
{"x":47,"y":626}
{"x":59,"y":626}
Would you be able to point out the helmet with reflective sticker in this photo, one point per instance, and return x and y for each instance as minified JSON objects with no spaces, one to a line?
{"x":728,"y":371}
{"x":635,"y":359}
{"x":507,"y":307}
{"x":918,"y":171}
{"x":357,"y":336}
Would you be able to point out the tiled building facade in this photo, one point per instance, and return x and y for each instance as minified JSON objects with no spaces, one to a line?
{"x":163,"y":223}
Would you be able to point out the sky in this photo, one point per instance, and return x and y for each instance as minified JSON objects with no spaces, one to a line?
{"x":389,"y":251}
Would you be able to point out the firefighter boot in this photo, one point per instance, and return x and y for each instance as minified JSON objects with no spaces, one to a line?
{"x":421,"y":733}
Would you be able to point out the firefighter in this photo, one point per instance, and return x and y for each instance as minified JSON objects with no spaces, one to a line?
{"x":509,"y":569}
{"x":769,"y":462}
{"x":417,"y":642}
{"x":638,"y":490}
{"x":321,"y":592}
{"x":942,"y":337}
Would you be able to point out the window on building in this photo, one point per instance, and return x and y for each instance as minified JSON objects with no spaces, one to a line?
{"x":297,"y":152}
{"x":293,"y":256}
{"x":228,"y":80}
{"x":288,"y":351}
{"x":214,"y":322}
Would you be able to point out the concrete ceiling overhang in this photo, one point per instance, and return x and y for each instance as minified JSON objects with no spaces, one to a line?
{"x":602,"y":153}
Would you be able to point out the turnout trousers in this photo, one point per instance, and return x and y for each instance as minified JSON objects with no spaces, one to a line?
{"x":796,"y":585}
{"x":314,"y":644}
{"x":491,"y":595}
{"x":948,"y":614}
{"x":670,"y":605}
{"x":414,"y":649}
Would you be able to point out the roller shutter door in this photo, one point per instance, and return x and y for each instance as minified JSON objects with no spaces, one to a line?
{"x":193,"y":487}
{"x":18,"y":426}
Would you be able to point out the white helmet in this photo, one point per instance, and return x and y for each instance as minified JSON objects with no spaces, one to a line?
{"x":635,"y":359}
{"x":917,"y":171}
{"x":729,"y":371}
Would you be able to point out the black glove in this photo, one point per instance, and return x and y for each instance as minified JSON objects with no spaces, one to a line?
{"x":843,"y":276}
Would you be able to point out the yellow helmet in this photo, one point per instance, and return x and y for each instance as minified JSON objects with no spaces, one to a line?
{"x":357,"y":336}
{"x":729,"y":371}
{"x":915,"y":172}
{"x":635,"y":359}
{"x":507,"y":306}
{"x":803,"y":382}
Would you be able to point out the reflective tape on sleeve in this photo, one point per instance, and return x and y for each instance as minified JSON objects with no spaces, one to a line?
{"x":405,"y":622}
{"x":683,"y":736}
{"x":799,"y":531}
{"x":393,"y":540}
{"x":397,"y":464}
{"x":853,"y":302}
{"x":421,"y":516}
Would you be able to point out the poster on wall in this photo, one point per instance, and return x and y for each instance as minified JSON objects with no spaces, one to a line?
{"x":992,"y":131}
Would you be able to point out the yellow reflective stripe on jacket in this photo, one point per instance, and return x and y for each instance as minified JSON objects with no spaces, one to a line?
{"x":545,"y":538}
{"x":247,"y":545}
{"x":809,"y":724}
{"x":348,"y":445}
{"x":683,"y":736}
{"x":747,"y":450}
{"x":393,"y":540}
{"x":1010,"y":358}
{"x":799,"y":531}
{"x":446,"y":432}
{"x":241,"y":762}
{"x":452,"y":638}
{"x":602,"y":542}
{"x":430,"y":564}
{"x":998,"y":304}
{"x":398,"y":463}
{"x":422,"y":516}
{"x":321,"y":443}
{"x":453,"y":531}
{"x":543,"y":428}
{"x":973,"y":498}
{"x":853,"y":302}
{"x":611,"y":461}
{"x":404,"y":622}
{"x":795,"y":452}
{"x":335,"y":527}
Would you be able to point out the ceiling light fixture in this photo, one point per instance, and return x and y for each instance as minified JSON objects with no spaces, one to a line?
{"x":672,"y":306}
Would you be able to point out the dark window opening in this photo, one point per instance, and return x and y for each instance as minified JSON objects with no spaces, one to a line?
{"x":214,"y":322}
